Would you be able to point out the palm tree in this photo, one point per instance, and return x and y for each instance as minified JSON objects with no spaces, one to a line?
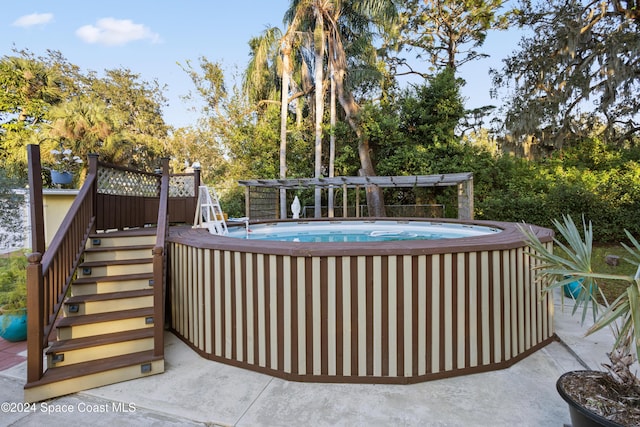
{"x":357,"y":19}
{"x":266,"y":50}
{"x":86,"y":126}
{"x":261,"y":82}
{"x":308,"y":16}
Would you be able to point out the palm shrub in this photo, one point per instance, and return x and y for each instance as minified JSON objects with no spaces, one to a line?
{"x":573,"y":262}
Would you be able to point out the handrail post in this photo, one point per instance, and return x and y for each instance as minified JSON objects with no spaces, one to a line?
{"x":35,"y":199}
{"x":196,"y":179}
{"x":159,"y":257}
{"x":35,"y":317}
{"x":35,"y":282}
{"x":93,"y":169}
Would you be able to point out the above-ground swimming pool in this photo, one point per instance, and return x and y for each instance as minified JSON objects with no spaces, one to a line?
{"x":358,"y":231}
{"x":398,"y":311}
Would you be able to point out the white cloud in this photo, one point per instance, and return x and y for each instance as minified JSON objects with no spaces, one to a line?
{"x":27,"y":21}
{"x":115,"y":32}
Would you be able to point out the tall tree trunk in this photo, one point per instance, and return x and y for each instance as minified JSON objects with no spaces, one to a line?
{"x":319,"y":110}
{"x":284,"y":108}
{"x":332,"y":138}
{"x":375,"y":198}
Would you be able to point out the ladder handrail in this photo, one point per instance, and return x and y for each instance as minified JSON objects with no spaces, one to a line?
{"x":209,"y":213}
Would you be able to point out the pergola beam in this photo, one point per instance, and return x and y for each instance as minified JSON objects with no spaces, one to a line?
{"x":355,"y":181}
{"x":464,"y":182}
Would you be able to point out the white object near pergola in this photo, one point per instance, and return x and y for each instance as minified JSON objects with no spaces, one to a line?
{"x":464,"y":182}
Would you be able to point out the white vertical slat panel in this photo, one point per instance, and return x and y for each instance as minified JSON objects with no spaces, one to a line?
{"x":393,"y":319}
{"x":262,"y":324}
{"x":273,"y":311}
{"x":239,"y":313}
{"x":217,"y":295}
{"x":362,"y":315}
{"x":286,"y":295}
{"x":377,"y":315}
{"x":302,"y":307}
{"x":435,"y":315}
{"x":422,"y":315}
{"x":474,"y":350}
{"x":461,"y":309}
{"x":252,"y":339}
{"x":408,"y":316}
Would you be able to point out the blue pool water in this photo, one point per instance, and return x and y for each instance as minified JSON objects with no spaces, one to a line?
{"x":358,"y":231}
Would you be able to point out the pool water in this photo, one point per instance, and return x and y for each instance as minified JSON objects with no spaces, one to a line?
{"x":358,"y":231}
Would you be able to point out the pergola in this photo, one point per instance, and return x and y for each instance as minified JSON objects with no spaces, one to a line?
{"x":464,"y":182}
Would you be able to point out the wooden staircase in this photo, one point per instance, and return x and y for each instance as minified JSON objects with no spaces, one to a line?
{"x":106,"y":332}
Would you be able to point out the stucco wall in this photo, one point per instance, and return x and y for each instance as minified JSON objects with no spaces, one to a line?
{"x":56,"y":205}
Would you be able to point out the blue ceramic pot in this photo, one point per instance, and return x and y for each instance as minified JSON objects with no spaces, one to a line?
{"x":573,"y":289}
{"x":13,"y":327}
{"x":62,"y":178}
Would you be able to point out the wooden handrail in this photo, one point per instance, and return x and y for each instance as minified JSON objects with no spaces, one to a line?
{"x":159,"y":256}
{"x":50,"y":271}
{"x":50,"y":274}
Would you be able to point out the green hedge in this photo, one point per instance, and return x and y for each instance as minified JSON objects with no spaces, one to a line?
{"x":602,"y":185}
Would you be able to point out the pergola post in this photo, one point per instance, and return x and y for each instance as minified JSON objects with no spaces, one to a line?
{"x":247,"y":201}
{"x":345,"y":204}
{"x":465,"y":199}
{"x":283,"y":203}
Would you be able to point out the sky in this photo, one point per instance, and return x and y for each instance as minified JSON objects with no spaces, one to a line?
{"x":150,"y":38}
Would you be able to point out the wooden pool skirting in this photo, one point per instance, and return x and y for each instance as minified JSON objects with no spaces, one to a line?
{"x":392,"y":312}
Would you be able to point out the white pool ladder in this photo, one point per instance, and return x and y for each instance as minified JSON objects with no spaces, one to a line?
{"x":209,"y":213}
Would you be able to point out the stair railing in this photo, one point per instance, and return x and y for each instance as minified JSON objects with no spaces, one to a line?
{"x":111,"y":197}
{"x":50,"y":272}
{"x":159,"y":262}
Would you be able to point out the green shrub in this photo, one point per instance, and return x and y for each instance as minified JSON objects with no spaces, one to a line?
{"x":13,"y":283}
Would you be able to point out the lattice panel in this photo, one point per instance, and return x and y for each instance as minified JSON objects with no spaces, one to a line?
{"x":264,"y":203}
{"x":182,"y":186}
{"x":127,"y":183}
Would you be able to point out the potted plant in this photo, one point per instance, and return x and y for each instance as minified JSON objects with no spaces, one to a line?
{"x":64,"y":165}
{"x":610,"y":397}
{"x":13,"y":298}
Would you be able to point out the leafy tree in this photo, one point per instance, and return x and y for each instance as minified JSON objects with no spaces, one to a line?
{"x":47,"y":100}
{"x":28,"y":89}
{"x":134,"y":106}
{"x":188,"y":145}
{"x":448,"y":32}
{"x":405,"y":134}
{"x":577,"y":66}
{"x":10,"y":214}
{"x":246,"y":140}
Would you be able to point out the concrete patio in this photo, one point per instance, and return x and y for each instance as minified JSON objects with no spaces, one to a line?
{"x":197,"y":392}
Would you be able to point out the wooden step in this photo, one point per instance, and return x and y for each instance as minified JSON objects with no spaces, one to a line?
{"x":64,"y":380}
{"x":79,"y":350}
{"x":145,"y":231}
{"x":104,"y":323}
{"x":146,"y":236}
{"x":79,"y":305}
{"x":118,"y":283}
{"x":115,"y":267}
{"x":119,"y":253}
